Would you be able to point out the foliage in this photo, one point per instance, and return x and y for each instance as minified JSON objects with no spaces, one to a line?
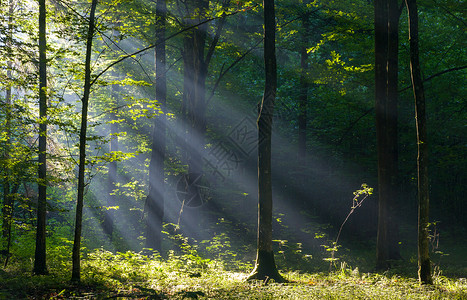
{"x":137,"y":275}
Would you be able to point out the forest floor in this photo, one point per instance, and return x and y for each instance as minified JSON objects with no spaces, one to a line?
{"x":130,"y":275}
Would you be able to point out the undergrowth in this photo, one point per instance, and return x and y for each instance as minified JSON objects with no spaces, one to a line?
{"x":187,"y":274}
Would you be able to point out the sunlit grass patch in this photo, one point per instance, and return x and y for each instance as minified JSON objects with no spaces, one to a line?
{"x":183,"y":276}
{"x":187,"y":275}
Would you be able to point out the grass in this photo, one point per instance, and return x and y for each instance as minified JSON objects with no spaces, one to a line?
{"x":187,"y":275}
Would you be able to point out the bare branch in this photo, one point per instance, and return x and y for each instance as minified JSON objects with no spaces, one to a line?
{"x":436,"y":75}
{"x":230,"y":67}
{"x":168,"y":38}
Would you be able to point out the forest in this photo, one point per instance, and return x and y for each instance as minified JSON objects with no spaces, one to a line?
{"x":233,"y":149}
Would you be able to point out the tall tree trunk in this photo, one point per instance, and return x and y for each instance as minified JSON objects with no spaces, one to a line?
{"x":303,"y":97}
{"x":265,"y":266}
{"x":40,"y":266}
{"x":197,"y":103}
{"x":10,"y":220}
{"x":381,"y":47}
{"x":109,"y":215}
{"x":196,"y":64}
{"x":8,"y":196}
{"x":155,"y":200}
{"x":386,"y":80}
{"x":392,"y":129}
{"x":188,"y":89}
{"x":424,"y":264}
{"x":7,"y":199}
{"x":76,"y":267}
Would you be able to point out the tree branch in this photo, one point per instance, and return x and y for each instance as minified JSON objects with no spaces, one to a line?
{"x":436,"y":75}
{"x":353,"y":124}
{"x":167,"y":38}
{"x":230,"y":67}
{"x":214,"y":42}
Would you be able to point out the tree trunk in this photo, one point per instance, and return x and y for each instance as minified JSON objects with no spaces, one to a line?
{"x":197,"y":103}
{"x":7,"y":203}
{"x":188,"y":89}
{"x":40,"y":266}
{"x":109,"y":213}
{"x":8,"y":196}
{"x":386,"y":80}
{"x":381,"y":45}
{"x":186,"y":140}
{"x":265,"y":266}
{"x":10,"y":220}
{"x":196,"y":65}
{"x":76,"y":268}
{"x":392,"y":129}
{"x":7,"y":199}
{"x":424,"y":265}
{"x":155,"y":200}
{"x":303,"y":97}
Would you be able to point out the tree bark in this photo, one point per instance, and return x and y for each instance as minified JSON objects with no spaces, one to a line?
{"x":198,"y":61}
{"x":381,"y":45}
{"x":265,"y":266}
{"x":76,"y":267}
{"x":155,"y":200}
{"x":303,"y":97}
{"x":196,"y":64}
{"x":424,"y":264}
{"x":7,"y":199}
{"x":188,"y":90}
{"x":386,"y":81}
{"x":14,"y":191}
{"x":392,"y":129}
{"x":40,"y":266}
{"x":197,"y":103}
{"x":109,"y":213}
{"x":8,"y":196}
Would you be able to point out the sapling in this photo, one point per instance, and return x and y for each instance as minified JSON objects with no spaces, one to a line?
{"x":434,"y":242}
{"x":357,"y":201}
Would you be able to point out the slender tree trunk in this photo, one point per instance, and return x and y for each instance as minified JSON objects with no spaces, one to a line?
{"x":392,"y":130}
{"x":187,"y":146}
{"x":381,"y":48}
{"x":265,"y":266}
{"x":7,"y":211}
{"x":155,"y":200}
{"x":7,"y":199}
{"x":40,"y":266}
{"x":76,"y":267}
{"x":424,"y":264}
{"x":10,"y":220}
{"x":386,"y":81}
{"x":197,"y":103}
{"x":109,"y":214}
{"x":303,"y":97}
{"x":196,"y":64}
{"x":8,"y":196}
{"x":188,"y":89}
